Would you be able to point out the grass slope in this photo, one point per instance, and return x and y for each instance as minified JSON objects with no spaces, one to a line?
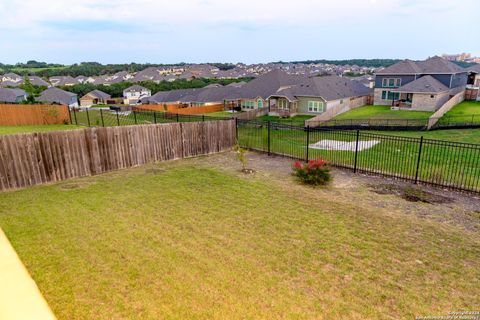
{"x":197,"y":243}
{"x":382,"y":112}
{"x":41,"y":128}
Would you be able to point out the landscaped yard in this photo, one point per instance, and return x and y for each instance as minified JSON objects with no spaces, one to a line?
{"x":39,"y":128}
{"x":222,"y":114}
{"x":196,"y":239}
{"x":382,"y":112}
{"x":456,"y":135}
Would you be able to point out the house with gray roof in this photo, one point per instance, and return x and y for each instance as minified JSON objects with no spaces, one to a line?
{"x":58,"y":96}
{"x":135,"y":94}
{"x":316,"y":95}
{"x":8,"y":95}
{"x":63,"y":81}
{"x":94,"y":97}
{"x":419,"y":85}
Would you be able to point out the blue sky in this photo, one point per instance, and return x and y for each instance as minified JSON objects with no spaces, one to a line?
{"x":158,"y":31}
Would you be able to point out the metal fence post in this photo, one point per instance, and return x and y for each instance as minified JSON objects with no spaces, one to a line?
{"x":135,"y":116}
{"x":101,"y":116}
{"x":177,"y":117}
{"x":75,"y":116}
{"x":203,"y":117}
{"x":118,"y":120}
{"x":308,"y":143}
{"x":268,"y":137}
{"x":236,"y":129}
{"x":356,"y":153}
{"x":88,"y":117}
{"x":70,"y":114}
{"x":154,"y":117}
{"x":418,"y":159}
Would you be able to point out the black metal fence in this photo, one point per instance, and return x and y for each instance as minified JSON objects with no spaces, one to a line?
{"x":442,"y":163}
{"x":108,"y":118}
{"x":447,"y":164}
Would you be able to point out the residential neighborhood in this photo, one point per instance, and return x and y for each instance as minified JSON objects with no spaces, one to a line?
{"x":220,"y":160}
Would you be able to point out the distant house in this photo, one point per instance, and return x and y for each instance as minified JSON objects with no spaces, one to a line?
{"x":12,"y":95}
{"x":11,"y":80}
{"x":63,"y":81}
{"x":473,"y":82}
{"x":133,"y":95}
{"x":196,"y":97}
{"x":94,"y":97}
{"x":316,"y":95}
{"x":419,"y":85}
{"x":58,"y":96}
{"x":37,"y":81}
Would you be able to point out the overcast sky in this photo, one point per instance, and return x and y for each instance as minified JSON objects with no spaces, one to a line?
{"x":171,"y":31}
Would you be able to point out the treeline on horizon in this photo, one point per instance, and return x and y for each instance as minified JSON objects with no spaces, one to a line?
{"x":46,"y":70}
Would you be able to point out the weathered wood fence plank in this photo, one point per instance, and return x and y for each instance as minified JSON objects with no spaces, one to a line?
{"x":36,"y":158}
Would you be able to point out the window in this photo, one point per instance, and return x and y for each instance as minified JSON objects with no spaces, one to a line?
{"x":341,"y":101}
{"x":315,"y":106}
{"x":391,"y":82}
{"x":283,"y":104}
{"x":260,"y":103}
{"x":249,"y":104}
{"x":432,"y":96}
{"x":388,"y":95}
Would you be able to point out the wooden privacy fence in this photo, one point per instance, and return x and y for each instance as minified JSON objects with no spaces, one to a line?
{"x":33,"y":114}
{"x":36,"y":158}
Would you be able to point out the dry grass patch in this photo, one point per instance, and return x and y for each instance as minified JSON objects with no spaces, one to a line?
{"x":196,"y":239}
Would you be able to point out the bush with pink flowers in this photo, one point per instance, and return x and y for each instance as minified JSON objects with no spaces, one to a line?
{"x":315,"y":172}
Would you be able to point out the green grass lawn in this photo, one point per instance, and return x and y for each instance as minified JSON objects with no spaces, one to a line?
{"x":439,"y":163}
{"x":382,"y":112}
{"x":195,"y":241}
{"x":465,"y":112}
{"x":222,"y":114}
{"x":455,"y":135}
{"x":40,"y":128}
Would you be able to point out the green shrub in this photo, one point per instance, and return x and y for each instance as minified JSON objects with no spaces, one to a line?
{"x":315,"y":172}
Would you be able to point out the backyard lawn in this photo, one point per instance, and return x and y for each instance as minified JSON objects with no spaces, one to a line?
{"x":40,"y":128}
{"x":382,"y":112}
{"x":295,"y":120}
{"x":196,"y":239}
{"x":466,"y":112}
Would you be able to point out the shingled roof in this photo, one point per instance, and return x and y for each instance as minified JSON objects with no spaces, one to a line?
{"x":268,"y":84}
{"x":425,"y":84}
{"x":11,"y":95}
{"x":328,"y":88}
{"x":98,"y":94}
{"x":432,"y":65}
{"x":55,"y":95}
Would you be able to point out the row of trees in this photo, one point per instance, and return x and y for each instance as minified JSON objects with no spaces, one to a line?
{"x":43,"y":69}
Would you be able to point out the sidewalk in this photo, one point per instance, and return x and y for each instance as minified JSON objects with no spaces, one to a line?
{"x":20,"y":298}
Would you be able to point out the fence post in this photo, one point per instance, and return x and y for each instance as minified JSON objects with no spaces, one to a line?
{"x":236,"y":129}
{"x":177,"y":117}
{"x":135,"y":116}
{"x":88,"y":117}
{"x":118,"y":119}
{"x":75,"y":116}
{"x":418,"y":159}
{"x":356,"y":153}
{"x":69,"y":114}
{"x":101,"y":116}
{"x":308,"y":142}
{"x":203,"y":117}
{"x":268,"y":137}
{"x":154,"y":117}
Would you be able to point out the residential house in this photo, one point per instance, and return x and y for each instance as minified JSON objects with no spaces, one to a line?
{"x":94,"y":97}
{"x":37,"y":81}
{"x":197,"y":97}
{"x":12,"y":95}
{"x":473,"y":82}
{"x":419,"y":85}
{"x":133,"y":95}
{"x":314,"y":96}
{"x":11,"y":80}
{"x":58,"y":96}
{"x":63,"y":81}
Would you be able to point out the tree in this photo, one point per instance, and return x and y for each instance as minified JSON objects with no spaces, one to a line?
{"x":30,"y":90}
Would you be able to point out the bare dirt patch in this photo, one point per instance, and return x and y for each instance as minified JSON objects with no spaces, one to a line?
{"x":409,"y":193}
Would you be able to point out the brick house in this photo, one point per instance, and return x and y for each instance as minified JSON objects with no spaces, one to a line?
{"x":419,"y":85}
